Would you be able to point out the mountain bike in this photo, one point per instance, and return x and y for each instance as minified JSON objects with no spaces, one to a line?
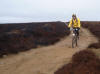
{"x":75,"y":38}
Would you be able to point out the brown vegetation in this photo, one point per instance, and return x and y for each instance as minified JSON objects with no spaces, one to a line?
{"x":94,"y":27}
{"x":83,"y":62}
{"x":24,"y":36}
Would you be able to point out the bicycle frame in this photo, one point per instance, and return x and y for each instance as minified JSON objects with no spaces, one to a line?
{"x":74,"y":38}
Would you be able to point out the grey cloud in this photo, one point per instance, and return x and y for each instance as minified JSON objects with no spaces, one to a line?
{"x":48,"y":10}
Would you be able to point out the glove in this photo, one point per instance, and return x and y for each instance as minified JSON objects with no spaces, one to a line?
{"x":68,"y":28}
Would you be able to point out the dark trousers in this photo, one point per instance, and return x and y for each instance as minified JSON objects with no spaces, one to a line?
{"x":76,"y":30}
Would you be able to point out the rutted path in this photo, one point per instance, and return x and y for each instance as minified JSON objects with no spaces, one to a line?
{"x":45,"y":60}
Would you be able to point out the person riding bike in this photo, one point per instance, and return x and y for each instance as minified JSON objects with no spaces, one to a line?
{"x":75,"y":24}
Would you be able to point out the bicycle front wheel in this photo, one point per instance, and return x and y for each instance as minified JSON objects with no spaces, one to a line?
{"x":74,"y":41}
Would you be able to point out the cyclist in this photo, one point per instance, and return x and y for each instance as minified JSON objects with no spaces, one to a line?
{"x":75,"y":24}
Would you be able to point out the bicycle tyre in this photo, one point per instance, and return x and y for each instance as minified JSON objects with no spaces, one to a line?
{"x":73,"y":42}
{"x":76,"y":39}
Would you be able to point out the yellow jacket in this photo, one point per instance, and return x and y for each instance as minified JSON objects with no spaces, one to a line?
{"x":75,"y":23}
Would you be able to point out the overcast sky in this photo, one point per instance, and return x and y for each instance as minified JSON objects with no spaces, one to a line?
{"x":48,"y":10}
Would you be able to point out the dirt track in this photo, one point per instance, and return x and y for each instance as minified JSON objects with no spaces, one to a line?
{"x":45,"y":60}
